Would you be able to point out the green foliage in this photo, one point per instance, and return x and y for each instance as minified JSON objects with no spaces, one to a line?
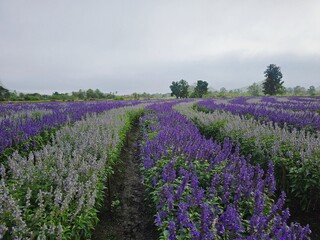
{"x":255,"y":89}
{"x":144,"y":95}
{"x":273,"y":84}
{"x":132,"y":116}
{"x":4,"y":93}
{"x":175,"y":89}
{"x":298,"y":90}
{"x":201,"y":89}
{"x":214,"y":130}
{"x":179,"y":89}
{"x":311,"y":91}
{"x":305,"y":178}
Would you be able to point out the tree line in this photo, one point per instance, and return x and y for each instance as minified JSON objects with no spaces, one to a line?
{"x":180,"y":89}
{"x":272,"y":85}
{"x":81,"y":95}
{"x":89,"y":94}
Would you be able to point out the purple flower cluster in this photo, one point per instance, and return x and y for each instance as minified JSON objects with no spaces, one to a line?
{"x":293,"y":103}
{"x":278,"y":113}
{"x":294,"y":153}
{"x":296,"y":104}
{"x":204,"y":190}
{"x":19,"y":121}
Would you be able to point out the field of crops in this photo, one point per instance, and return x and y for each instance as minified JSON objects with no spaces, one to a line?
{"x":211,"y":168}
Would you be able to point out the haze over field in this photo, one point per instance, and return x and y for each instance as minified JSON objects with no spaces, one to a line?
{"x":144,"y":45}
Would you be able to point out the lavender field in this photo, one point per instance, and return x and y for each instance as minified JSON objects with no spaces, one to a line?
{"x":227,"y":168}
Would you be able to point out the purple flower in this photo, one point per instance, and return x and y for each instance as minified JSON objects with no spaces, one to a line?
{"x":172,"y":230}
{"x":230,"y":221}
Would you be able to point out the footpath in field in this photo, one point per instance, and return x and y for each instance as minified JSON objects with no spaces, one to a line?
{"x":125,"y":213}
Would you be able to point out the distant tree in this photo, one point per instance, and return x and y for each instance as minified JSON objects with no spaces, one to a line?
{"x":289,"y":90}
{"x":135,"y":96}
{"x":255,"y":89}
{"x":223,"y":90}
{"x":75,"y":95}
{"x":237,"y":91}
{"x":311,"y":90}
{"x":201,"y":88}
{"x":4,"y":93}
{"x":110,"y":95}
{"x":32,"y":97}
{"x":273,"y":84}
{"x":91,"y":94}
{"x":175,"y":89}
{"x":82,"y":94}
{"x":179,"y":89}
{"x":298,"y":90}
{"x":184,"y":88}
{"x":21,"y":95}
{"x":14,"y":96}
{"x":99,"y":94}
{"x":143,"y":95}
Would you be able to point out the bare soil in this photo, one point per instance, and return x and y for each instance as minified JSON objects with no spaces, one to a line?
{"x":126,"y":214}
{"x":312,"y":218}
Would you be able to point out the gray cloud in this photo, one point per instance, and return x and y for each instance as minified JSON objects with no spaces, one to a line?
{"x":135,"y":46}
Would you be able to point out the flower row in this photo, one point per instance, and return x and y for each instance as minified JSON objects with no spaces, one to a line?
{"x":294,"y":153}
{"x":205,"y":190}
{"x":297,"y":104}
{"x":55,"y":192}
{"x":302,"y":120}
{"x":22,"y":121}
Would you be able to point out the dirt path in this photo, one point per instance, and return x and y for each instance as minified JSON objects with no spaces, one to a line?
{"x":126,"y":215}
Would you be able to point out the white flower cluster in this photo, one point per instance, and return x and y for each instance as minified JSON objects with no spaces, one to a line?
{"x":52,"y":193}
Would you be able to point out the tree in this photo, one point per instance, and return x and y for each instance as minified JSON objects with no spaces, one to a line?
{"x":184,"y":88}
{"x":32,"y":97}
{"x":223,"y":92}
{"x":201,"y":88}
{"x":91,"y":94}
{"x":4,"y":93}
{"x":82,"y":94}
{"x":98,"y":94}
{"x":255,"y":89}
{"x":14,"y":95}
{"x":179,"y":89}
{"x":273,"y":84}
{"x":312,"y":90}
{"x":289,"y":90}
{"x":298,"y":90}
{"x":175,"y":89}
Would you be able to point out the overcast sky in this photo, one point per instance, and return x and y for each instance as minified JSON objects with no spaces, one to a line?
{"x":143,"y":45}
